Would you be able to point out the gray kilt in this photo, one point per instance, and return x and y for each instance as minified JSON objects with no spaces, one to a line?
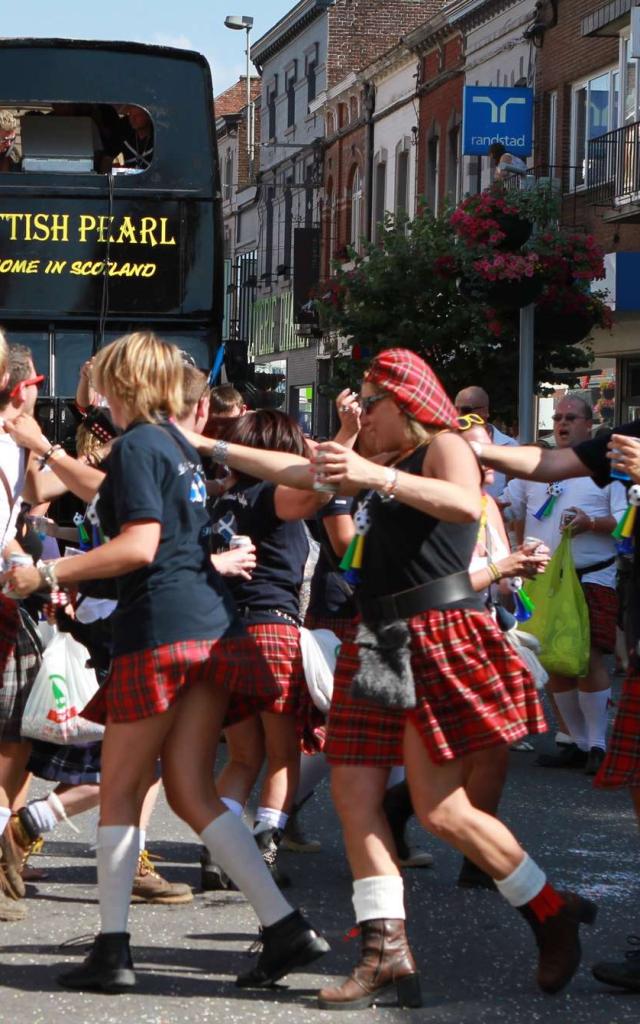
{"x":19,"y":674}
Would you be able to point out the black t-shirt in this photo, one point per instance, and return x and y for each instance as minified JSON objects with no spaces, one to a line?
{"x":248,"y":508}
{"x":406,"y":548}
{"x":330,"y":594}
{"x":594,"y":455}
{"x":153,"y":473}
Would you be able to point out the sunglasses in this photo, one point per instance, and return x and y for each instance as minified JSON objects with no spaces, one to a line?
{"x":469,"y":421}
{"x":30,"y":382}
{"x":464,"y":410}
{"x":367,"y":404}
{"x":558,"y":417}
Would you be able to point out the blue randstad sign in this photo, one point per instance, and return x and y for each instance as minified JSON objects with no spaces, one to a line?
{"x":497,"y":115}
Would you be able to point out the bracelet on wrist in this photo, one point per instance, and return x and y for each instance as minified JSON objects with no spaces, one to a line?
{"x":48,"y":575}
{"x":592,"y":523}
{"x":219,"y":452}
{"x":494,"y":571}
{"x":390,"y":482}
{"x":43,"y":460}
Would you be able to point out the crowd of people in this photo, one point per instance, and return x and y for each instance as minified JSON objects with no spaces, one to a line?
{"x":217,"y":544}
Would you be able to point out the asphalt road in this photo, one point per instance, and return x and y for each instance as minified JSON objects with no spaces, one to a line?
{"x":475,"y":954}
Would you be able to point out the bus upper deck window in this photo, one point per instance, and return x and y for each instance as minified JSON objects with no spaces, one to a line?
{"x":81,"y":138}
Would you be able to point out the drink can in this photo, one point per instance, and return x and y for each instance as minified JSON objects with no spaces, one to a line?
{"x":567,"y":517}
{"x":12,"y":561}
{"x":534,"y":543}
{"x":326,"y":488}
{"x":239,"y":540}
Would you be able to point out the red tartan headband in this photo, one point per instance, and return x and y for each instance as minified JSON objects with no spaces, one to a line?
{"x":414,"y":386}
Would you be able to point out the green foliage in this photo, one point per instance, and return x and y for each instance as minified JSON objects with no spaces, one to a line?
{"x":403,"y":291}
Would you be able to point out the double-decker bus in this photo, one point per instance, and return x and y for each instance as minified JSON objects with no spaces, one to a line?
{"x":110,"y":215}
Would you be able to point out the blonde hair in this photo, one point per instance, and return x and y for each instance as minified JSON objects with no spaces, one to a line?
{"x":142,"y":372}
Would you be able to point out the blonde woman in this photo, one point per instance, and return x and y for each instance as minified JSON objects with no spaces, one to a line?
{"x":182,"y":663}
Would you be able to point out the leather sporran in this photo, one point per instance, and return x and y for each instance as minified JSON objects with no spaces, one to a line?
{"x":385,"y":675}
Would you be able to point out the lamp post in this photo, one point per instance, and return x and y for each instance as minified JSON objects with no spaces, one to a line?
{"x":239,"y":23}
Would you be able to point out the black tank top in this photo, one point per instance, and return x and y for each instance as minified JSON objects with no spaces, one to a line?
{"x":405,"y":548}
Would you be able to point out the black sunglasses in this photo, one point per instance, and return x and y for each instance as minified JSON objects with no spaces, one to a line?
{"x":568,"y":416}
{"x":366,"y":404}
{"x":464,"y":410}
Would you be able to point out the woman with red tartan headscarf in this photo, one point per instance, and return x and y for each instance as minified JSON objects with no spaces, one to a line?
{"x":429,"y":679}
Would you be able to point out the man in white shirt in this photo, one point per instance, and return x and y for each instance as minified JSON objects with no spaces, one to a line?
{"x":593,"y":513}
{"x":18,"y":394}
{"x":475,"y":400}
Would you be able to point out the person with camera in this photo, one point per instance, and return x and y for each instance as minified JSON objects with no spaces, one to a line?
{"x":590,"y":513}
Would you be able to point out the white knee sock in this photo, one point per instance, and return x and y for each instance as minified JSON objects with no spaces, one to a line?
{"x":117,"y":856}
{"x":5,"y":814}
{"x":269,"y":817}
{"x":313,"y":769}
{"x":142,"y":840}
{"x":378,"y":896}
{"x":523,"y":884}
{"x":233,"y":805}
{"x":233,"y":848}
{"x":569,"y":708}
{"x":594,"y":709}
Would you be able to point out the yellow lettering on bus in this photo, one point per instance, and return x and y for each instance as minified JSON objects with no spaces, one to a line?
{"x":163,"y":233}
{"x":59,"y":227}
{"x":127,"y":232}
{"x":148,"y":227}
{"x":13,"y":219}
{"x":87,"y":224}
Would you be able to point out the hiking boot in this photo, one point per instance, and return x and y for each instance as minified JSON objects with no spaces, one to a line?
{"x":108,"y":968}
{"x":286,"y":945}
{"x":386,"y":961}
{"x":623,"y":974}
{"x":10,"y":908}
{"x":268,"y":842}
{"x":27,"y":836}
{"x":12,"y":857}
{"x":558,"y":939}
{"x":212,"y":877}
{"x":150,"y":887}
{"x":295,"y":841}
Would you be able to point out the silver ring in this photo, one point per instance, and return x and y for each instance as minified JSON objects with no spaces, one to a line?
{"x":344,"y":408}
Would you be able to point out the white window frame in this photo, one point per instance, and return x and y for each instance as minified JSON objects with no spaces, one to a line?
{"x":625,"y":41}
{"x":355,"y":200}
{"x":613,"y":116}
{"x":552,"y":147}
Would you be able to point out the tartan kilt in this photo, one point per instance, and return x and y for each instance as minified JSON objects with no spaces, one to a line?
{"x":279,"y":644}
{"x":75,"y":766}
{"x":473,"y":692}
{"x":9,"y":619}
{"x":621,"y":766}
{"x":18,"y":677}
{"x":148,"y":682}
{"x":603,"y":615}
{"x":343,"y":628}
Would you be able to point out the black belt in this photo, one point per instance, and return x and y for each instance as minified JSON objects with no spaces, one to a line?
{"x":586,"y":569}
{"x":246,"y":612}
{"x":436,"y":594}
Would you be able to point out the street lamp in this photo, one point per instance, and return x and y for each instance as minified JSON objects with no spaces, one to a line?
{"x":239,"y":23}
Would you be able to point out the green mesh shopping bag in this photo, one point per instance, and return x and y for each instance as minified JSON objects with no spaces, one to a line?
{"x":560,"y":620}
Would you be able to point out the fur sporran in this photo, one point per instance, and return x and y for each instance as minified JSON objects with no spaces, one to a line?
{"x":385,"y":675}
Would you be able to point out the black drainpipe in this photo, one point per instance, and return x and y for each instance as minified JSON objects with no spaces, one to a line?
{"x":369,"y":107}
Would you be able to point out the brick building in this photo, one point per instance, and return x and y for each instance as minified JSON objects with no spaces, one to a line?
{"x":588,"y":139}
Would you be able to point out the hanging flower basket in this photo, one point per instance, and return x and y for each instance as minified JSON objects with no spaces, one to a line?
{"x":516,"y":231}
{"x":514,"y":294}
{"x":562,"y":328}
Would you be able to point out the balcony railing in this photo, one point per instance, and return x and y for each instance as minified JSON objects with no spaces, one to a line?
{"x":560,"y":180}
{"x":612,"y":168}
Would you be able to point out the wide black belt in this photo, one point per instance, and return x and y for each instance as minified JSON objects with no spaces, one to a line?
{"x":596,"y":567}
{"x":438,"y":593}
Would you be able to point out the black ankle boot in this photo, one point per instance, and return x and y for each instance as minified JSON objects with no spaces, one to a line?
{"x":398,"y":809}
{"x":212,"y":877}
{"x":268,"y":842}
{"x":108,"y":968}
{"x":287,"y":944}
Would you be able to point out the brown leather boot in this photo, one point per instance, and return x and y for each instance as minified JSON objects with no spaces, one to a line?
{"x":386,"y":960}
{"x":558,"y":939}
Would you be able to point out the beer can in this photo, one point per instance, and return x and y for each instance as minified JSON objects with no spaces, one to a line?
{"x":326,"y":488}
{"x":534,"y":543}
{"x":239,"y":540}
{"x":567,"y":517}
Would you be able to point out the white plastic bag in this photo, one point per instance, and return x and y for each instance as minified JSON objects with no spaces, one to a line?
{"x":62,"y":688}
{"x":527,"y":646}
{"x":319,"y":653}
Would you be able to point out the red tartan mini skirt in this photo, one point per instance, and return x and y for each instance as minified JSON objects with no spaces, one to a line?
{"x":473,"y":692}
{"x":279,"y":645}
{"x":621,"y":766}
{"x":602,"y":603}
{"x":148,"y":682}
